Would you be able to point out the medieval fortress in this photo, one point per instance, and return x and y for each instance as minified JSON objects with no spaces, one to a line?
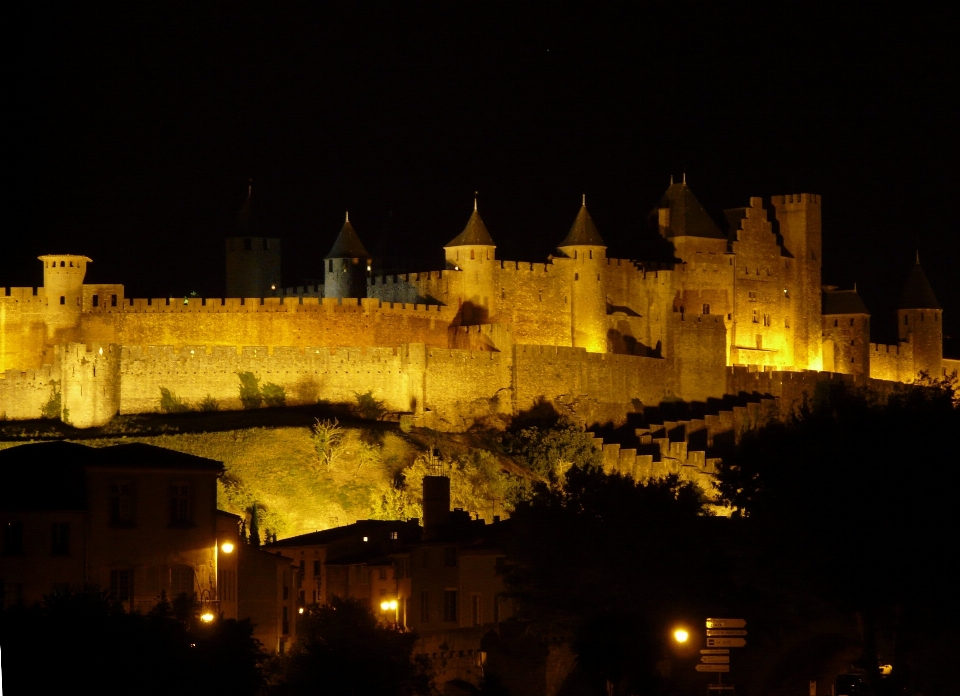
{"x":741,"y":311}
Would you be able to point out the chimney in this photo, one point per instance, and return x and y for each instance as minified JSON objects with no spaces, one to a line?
{"x":436,"y":503}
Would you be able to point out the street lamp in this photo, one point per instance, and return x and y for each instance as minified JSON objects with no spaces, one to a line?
{"x":681,"y":635}
{"x":226,"y":547}
{"x":206,"y":617}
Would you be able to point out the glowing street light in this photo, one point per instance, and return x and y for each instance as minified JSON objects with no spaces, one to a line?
{"x":207,"y":617}
{"x":681,"y":635}
{"x":389,"y":605}
{"x":226,"y":547}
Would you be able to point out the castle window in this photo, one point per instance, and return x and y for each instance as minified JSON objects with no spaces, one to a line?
{"x":706,"y":309}
{"x":786,"y":323}
{"x":851,"y":322}
{"x":756,"y":316}
{"x":853,"y":342}
{"x":786,"y":293}
{"x":576,"y":254}
{"x":78,"y":301}
{"x":62,"y":263}
{"x":96,"y":300}
{"x":598,"y":277}
{"x":471,"y":254}
{"x":906,"y":320}
{"x":71,"y":264}
{"x":836,"y":322}
{"x":591,"y":253}
{"x":576,"y":276}
{"x":853,"y":360}
{"x":63,"y":300}
{"x":113,"y":300}
{"x":921,"y":316}
{"x":752,"y":296}
{"x":766,"y":320}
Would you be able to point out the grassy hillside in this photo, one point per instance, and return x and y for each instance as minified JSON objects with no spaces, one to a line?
{"x":375,"y":472}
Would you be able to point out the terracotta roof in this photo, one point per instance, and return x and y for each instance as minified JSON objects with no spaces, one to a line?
{"x":347,"y":245}
{"x":917,"y":293}
{"x":474,"y":234}
{"x":843,"y":302}
{"x":583,"y":232}
{"x":687,"y":217}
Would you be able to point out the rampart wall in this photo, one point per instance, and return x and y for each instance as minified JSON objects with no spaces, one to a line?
{"x":288,"y":321}
{"x":306,"y":374}
{"x":535,"y":298}
{"x":23,"y":395}
{"x":893,"y":362}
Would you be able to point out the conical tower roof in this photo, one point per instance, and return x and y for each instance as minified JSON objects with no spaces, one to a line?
{"x":687,"y":217}
{"x":917,"y":293}
{"x":474,"y":234}
{"x":347,"y":244}
{"x":583,"y":232}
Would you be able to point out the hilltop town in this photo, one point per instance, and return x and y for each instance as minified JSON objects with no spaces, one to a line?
{"x":740,"y":310}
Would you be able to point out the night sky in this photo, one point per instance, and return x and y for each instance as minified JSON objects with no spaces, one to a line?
{"x":131,"y":132}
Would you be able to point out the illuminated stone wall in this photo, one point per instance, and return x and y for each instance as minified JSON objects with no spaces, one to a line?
{"x":846,"y":344}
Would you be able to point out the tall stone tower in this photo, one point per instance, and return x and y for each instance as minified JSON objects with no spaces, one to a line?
{"x":63,"y":286}
{"x":846,"y":332}
{"x":473,"y":254}
{"x":920,"y":321}
{"x":347,"y":266}
{"x":799,"y":218}
{"x":253,"y":263}
{"x":586,"y":256}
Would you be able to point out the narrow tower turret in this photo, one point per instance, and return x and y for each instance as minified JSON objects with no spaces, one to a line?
{"x":347,"y":265}
{"x":586,"y":255}
{"x":63,"y":286}
{"x":920,"y":322}
{"x":472,"y":253}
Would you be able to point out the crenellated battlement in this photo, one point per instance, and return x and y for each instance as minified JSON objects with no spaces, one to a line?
{"x":795,"y":200}
{"x":526,"y":267}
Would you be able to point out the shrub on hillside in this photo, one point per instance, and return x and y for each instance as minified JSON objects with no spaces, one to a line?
{"x":250,"y":396}
{"x":209,"y":404}
{"x":171,"y":403}
{"x":327,"y":437}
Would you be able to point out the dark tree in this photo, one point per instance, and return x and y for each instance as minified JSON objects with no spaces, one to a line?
{"x":82,"y":638}
{"x":615,"y":563}
{"x":853,"y":502}
{"x":342,"y":649}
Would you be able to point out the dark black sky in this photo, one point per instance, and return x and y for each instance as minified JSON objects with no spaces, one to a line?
{"x":130,"y":132}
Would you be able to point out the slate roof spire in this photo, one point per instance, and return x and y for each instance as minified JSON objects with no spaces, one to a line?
{"x":243,"y":217}
{"x":583,"y":232}
{"x":917,"y":293}
{"x":474,"y":234}
{"x":688,"y":218}
{"x":347,"y":244}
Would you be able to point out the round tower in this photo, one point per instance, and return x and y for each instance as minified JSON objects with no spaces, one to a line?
{"x":63,"y":287}
{"x":253,"y":263}
{"x":347,"y":266}
{"x":473,"y":254}
{"x":846,"y":332}
{"x":920,"y":322}
{"x":586,"y":255}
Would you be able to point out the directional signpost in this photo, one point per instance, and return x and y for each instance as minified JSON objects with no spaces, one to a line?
{"x":722,"y":634}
